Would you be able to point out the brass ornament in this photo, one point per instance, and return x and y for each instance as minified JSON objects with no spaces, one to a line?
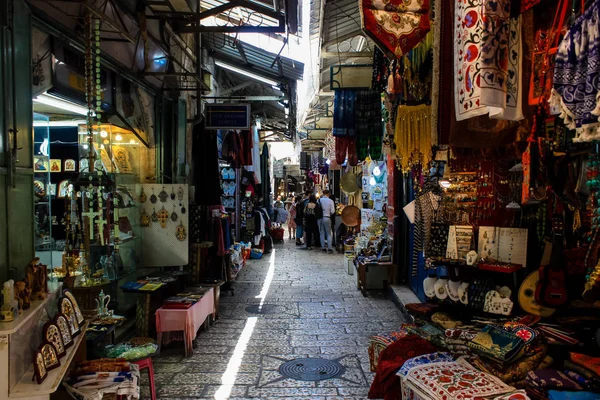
{"x":144,"y":218}
{"x":181,"y":232}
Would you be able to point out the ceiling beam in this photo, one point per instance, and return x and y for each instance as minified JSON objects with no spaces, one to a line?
{"x":103,"y":18}
{"x":357,"y":54}
{"x":242,"y":52}
{"x":236,"y":88}
{"x":235,"y":29}
{"x":247,"y":98}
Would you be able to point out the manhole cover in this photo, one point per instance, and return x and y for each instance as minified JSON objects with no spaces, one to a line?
{"x":264,"y":309}
{"x":311,"y":369}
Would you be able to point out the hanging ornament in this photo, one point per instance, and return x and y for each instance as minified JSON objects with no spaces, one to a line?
{"x":153,"y":198}
{"x":180,"y":193}
{"x":144,"y":218}
{"x":181,"y":233}
{"x":163,"y":196}
{"x":172,"y":193}
{"x":154,"y":216}
{"x":142,"y":197}
{"x":174,"y":215}
{"x":163,"y":217}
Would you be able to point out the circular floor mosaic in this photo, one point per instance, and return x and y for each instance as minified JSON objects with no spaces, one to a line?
{"x":265,"y":309}
{"x":311,"y":369}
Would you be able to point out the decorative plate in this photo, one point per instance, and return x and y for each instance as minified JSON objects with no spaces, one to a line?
{"x":78,"y":313}
{"x":39,"y":189}
{"x":65,"y":330}
{"x":51,"y":360}
{"x":53,"y":336}
{"x":67,"y":309}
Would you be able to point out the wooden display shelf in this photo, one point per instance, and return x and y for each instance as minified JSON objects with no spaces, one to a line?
{"x":28,"y":388}
{"x":7,"y":328}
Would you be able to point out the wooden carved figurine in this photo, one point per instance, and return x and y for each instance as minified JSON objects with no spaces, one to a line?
{"x":22,"y":295}
{"x":36,"y":279}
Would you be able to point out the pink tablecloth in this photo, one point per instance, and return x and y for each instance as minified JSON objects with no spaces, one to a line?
{"x":188,"y":321}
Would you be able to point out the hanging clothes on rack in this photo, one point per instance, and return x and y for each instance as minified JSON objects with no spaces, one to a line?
{"x":576,"y":87}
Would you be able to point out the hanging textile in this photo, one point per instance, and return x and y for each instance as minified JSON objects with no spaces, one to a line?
{"x":435,"y":84}
{"x":413,"y":136}
{"x":487,"y":61}
{"x":369,"y":130}
{"x":396,"y":26}
{"x":265,"y":192}
{"x":527,"y":4}
{"x":344,"y":117}
{"x":206,"y":166}
{"x":576,"y":88}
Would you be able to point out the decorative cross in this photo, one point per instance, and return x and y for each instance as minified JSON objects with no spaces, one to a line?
{"x":91,"y":216}
{"x":100,"y":222}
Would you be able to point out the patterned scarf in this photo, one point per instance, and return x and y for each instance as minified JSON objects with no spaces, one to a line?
{"x":487,"y":60}
{"x":576,"y":87}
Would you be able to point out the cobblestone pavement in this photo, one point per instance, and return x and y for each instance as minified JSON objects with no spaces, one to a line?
{"x":311,"y":309}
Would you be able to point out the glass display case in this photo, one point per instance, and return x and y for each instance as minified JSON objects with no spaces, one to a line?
{"x":87,"y":220}
{"x":125,"y":162}
{"x":44,"y":193}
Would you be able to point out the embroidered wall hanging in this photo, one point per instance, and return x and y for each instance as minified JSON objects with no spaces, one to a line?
{"x":396,"y":26}
{"x":487,"y":62}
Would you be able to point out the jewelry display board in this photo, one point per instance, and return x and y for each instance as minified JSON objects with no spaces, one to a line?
{"x":165,"y":238}
{"x":503,"y":244}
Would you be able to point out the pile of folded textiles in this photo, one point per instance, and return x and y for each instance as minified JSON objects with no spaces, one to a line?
{"x":442,"y":358}
{"x":579,"y":379}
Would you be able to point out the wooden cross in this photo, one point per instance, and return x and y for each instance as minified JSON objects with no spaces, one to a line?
{"x":91,"y":216}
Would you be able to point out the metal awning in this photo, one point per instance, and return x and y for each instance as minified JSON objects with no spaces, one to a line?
{"x":253,"y":59}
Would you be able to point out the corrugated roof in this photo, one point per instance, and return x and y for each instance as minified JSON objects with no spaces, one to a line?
{"x":342,"y":20}
{"x":222,"y":48}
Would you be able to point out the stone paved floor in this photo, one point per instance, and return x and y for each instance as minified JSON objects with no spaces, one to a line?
{"x":316,"y":311}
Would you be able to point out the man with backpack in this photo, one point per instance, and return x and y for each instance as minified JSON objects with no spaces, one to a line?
{"x":325,"y":209}
{"x":300,"y":204}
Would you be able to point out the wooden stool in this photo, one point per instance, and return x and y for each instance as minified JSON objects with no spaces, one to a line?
{"x":147,"y":363}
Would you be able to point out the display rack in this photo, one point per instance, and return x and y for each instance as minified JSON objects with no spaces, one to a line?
{"x":30,"y":389}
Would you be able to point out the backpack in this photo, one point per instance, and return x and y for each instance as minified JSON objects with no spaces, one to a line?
{"x":319,"y":210}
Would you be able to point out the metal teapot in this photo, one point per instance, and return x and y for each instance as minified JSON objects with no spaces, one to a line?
{"x":102,"y":304}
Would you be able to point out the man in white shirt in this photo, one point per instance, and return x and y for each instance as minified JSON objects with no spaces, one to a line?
{"x":328,"y":209}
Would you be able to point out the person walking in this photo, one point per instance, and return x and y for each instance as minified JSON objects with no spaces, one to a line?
{"x":300,"y":204}
{"x":310,"y":221}
{"x":327,"y":209}
{"x":291,"y":222}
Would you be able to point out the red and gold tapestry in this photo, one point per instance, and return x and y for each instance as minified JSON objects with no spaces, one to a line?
{"x":396,"y":26}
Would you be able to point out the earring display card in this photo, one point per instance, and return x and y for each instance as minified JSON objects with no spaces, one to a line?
{"x":161,"y":239}
{"x":507,"y":245}
{"x":459,"y":242}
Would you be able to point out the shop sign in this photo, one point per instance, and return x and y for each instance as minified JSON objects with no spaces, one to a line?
{"x":227,"y":116}
{"x":278,"y":169}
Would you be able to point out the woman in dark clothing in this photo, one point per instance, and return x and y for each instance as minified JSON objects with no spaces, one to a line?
{"x":310,"y":221}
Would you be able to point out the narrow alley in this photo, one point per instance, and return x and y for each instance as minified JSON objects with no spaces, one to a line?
{"x":310,"y":307}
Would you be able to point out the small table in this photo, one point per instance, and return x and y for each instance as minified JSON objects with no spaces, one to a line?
{"x":217,"y":293}
{"x":188,"y":320}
